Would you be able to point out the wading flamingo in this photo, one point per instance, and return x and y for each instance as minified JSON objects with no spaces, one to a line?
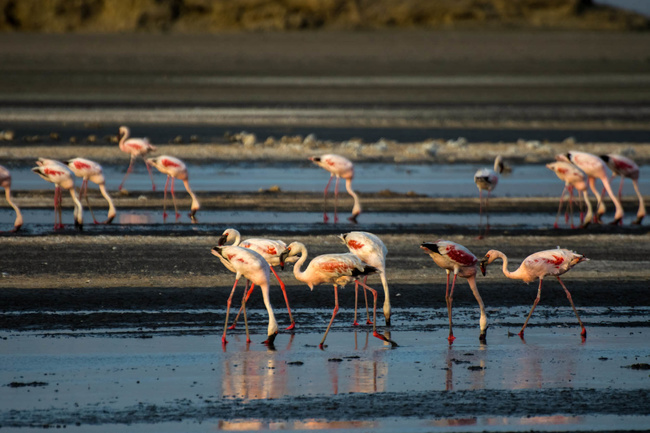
{"x":486,"y":180}
{"x":537,"y":266}
{"x":91,"y":171}
{"x":271,"y":251}
{"x":573,"y":177}
{"x":372,"y":251}
{"x":341,"y":168}
{"x":59,"y":174}
{"x":253,"y":267}
{"x":594,"y":167}
{"x":453,"y":257}
{"x":625,"y":167}
{"x":174,"y":168}
{"x":135,"y":147}
{"x":5,"y":183}
{"x":335,"y":269}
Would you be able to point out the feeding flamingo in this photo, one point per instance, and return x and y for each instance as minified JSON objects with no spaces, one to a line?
{"x":252,"y":266}
{"x":335,"y":269}
{"x":271,"y":250}
{"x":594,"y":167}
{"x":371,"y":250}
{"x":5,"y":183}
{"x":573,"y":177}
{"x":486,"y":180}
{"x":135,"y":147}
{"x":625,"y":167}
{"x":341,"y":168}
{"x":91,"y":171}
{"x":453,"y":257}
{"x":537,"y":266}
{"x":174,"y":168}
{"x":59,"y":174}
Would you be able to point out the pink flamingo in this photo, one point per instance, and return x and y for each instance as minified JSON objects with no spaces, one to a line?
{"x":58,"y":173}
{"x":453,"y":257}
{"x":5,"y":183}
{"x":371,"y":250}
{"x":271,"y":250}
{"x":486,"y":180}
{"x":594,"y":167}
{"x":174,"y":168}
{"x":341,"y":168}
{"x":625,"y":167}
{"x":536,"y":266}
{"x":252,"y":266}
{"x":91,"y":171}
{"x":335,"y":269}
{"x":573,"y":177}
{"x":135,"y":147}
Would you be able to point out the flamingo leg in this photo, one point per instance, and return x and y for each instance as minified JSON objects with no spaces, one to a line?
{"x":569,"y":215}
{"x":620,"y":187}
{"x":449,"y":298}
{"x":487,"y":214}
{"x":336,"y":310}
{"x":286,"y":299}
{"x":583,"y":331}
{"x":165,"y":199}
{"x":356,"y":299}
{"x":84,"y":186}
{"x":559,"y":209}
{"x":480,"y":213}
{"x":225,"y":326}
{"x":327,"y":187}
{"x":153,"y":185}
{"x":539,"y":293}
{"x":57,"y":208}
{"x":243,"y":307}
{"x":247,"y":294}
{"x":374,"y":316}
{"x":128,"y":171}
{"x":365,"y":295}
{"x":178,"y":215}
{"x":336,"y":199}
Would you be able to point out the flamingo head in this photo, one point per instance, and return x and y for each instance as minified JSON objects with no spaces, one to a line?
{"x":228,"y":235}
{"x":566,"y":157}
{"x":124,"y":131}
{"x":488,"y":259}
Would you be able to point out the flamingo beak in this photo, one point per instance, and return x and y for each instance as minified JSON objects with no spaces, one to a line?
{"x":222,"y":240}
{"x":483,"y":265}
{"x":270,"y":340}
{"x":283,"y":257}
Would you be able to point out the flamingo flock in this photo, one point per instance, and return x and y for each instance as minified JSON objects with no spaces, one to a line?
{"x":255,"y":259}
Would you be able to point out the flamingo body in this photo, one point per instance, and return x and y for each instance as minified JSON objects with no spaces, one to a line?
{"x":58,"y":173}
{"x":5,"y":183}
{"x":252,"y":266}
{"x":626,"y":168}
{"x":455,"y":258}
{"x":537,"y":266}
{"x":136,"y":147}
{"x":174,"y":168}
{"x":91,"y":171}
{"x":371,"y":250}
{"x":573,"y":178}
{"x":339,"y":167}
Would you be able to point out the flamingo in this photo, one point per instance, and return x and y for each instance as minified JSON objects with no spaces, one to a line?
{"x":267,"y":248}
{"x":252,"y":266}
{"x":371,"y":250}
{"x":335,"y":269}
{"x":573,"y":177}
{"x":341,"y":168}
{"x":537,"y":266}
{"x":453,"y":257}
{"x":91,"y":171}
{"x":135,"y":147}
{"x":625,"y":167}
{"x":58,"y":173}
{"x":174,"y":168}
{"x":594,"y":167}
{"x":5,"y":183}
{"x":486,"y":180}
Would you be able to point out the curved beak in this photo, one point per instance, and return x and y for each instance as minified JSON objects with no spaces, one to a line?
{"x":483,"y":265}
{"x":222,"y":240}
{"x":284,"y":256}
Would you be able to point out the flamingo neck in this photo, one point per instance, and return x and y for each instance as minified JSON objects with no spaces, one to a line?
{"x":273,"y":324}
{"x":356,"y":209}
{"x":78,"y":209}
{"x":111,"y":207}
{"x":19,"y":216}
{"x":641,"y":211}
{"x":195,"y":202}
{"x":297,"y":267}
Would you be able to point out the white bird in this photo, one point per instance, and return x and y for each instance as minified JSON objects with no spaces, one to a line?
{"x":5,"y":183}
{"x":486,"y":180}
{"x":371,"y":250}
{"x":135,"y":147}
{"x":271,"y":250}
{"x":58,"y":173}
{"x":340,"y":167}
{"x":625,"y":167}
{"x":573,"y":177}
{"x":174,"y":168}
{"x":252,"y":266}
{"x":91,"y":171}
{"x":335,"y":269}
{"x":453,"y":257}
{"x":537,"y":266}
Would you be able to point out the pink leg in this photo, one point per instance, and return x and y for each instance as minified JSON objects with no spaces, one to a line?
{"x":327,"y":187}
{"x":583,"y":331}
{"x":225,"y":327}
{"x":539,"y":293}
{"x":365,"y":295}
{"x":559,"y":209}
{"x":153,"y":185}
{"x":480,"y":213}
{"x":128,"y":171}
{"x":449,"y":296}
{"x":286,"y":299}
{"x":165,"y":200}
{"x":174,"y":200}
{"x":374,"y":316}
{"x":569,"y":216}
{"x":247,"y":294}
{"x":356,"y":302}
{"x":336,"y":199}
{"x":336,"y":310}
